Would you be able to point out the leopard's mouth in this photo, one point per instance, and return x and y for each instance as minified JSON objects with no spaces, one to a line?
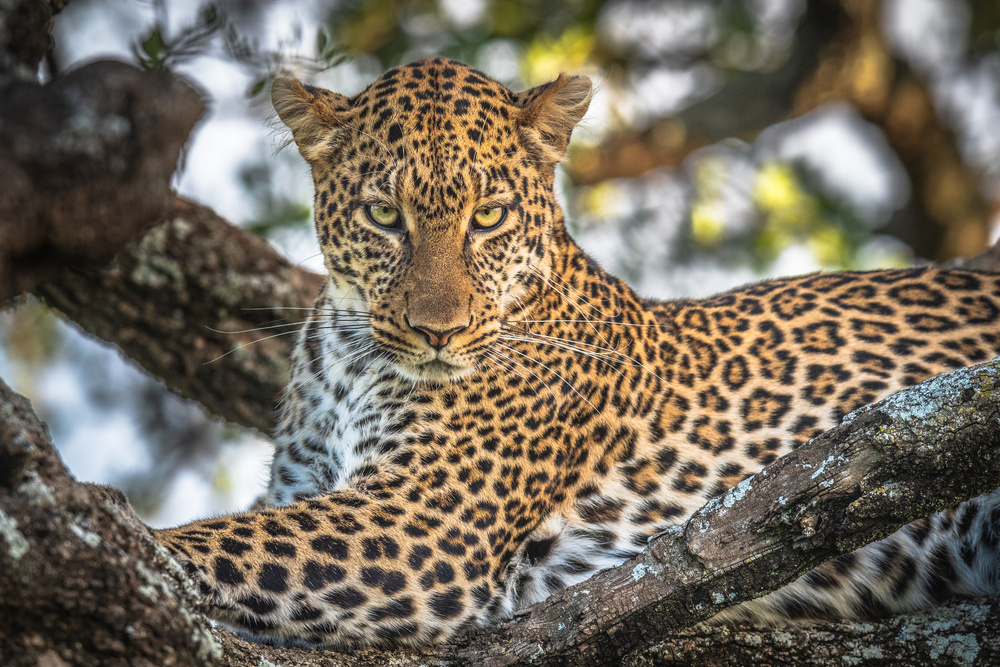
{"x":435,"y":370}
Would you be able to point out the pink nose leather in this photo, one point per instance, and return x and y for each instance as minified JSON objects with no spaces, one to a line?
{"x":438,"y":339}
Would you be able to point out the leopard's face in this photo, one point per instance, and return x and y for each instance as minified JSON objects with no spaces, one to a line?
{"x":434,"y":204}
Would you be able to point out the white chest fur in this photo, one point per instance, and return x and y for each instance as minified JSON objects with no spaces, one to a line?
{"x":333,"y":416}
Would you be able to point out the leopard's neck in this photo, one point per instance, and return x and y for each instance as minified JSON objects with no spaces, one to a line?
{"x":346,"y":407}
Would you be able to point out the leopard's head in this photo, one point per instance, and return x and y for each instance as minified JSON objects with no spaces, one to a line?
{"x":434,"y":201}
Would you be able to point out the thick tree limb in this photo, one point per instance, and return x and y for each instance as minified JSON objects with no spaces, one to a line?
{"x":85,"y":163}
{"x":966,"y":633}
{"x":168,"y":301}
{"x":81,"y":580}
{"x":919,"y":451}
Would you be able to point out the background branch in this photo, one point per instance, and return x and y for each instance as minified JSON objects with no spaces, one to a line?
{"x":839,"y":53}
{"x":168,"y":300}
{"x":85,"y":163}
{"x":25,"y":38}
{"x":763,"y":98}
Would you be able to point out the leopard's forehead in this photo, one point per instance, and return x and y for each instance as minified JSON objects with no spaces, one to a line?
{"x":441,"y":110}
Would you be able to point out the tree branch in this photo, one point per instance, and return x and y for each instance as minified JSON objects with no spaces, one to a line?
{"x":924,"y":449}
{"x":81,"y":580}
{"x":24,"y":37}
{"x":966,"y":633}
{"x":99,"y":144}
{"x":168,"y":300}
{"x":86,"y":163}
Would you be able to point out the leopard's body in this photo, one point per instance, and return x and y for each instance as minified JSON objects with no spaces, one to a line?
{"x":480,"y":415}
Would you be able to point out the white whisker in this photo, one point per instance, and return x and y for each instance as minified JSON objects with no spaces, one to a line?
{"x":565,"y":381}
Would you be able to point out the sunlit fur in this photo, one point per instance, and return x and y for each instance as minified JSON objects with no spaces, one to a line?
{"x":417,"y":491}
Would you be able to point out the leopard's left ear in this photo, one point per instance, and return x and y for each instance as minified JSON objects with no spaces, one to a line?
{"x":315,"y":116}
{"x":550,"y":112}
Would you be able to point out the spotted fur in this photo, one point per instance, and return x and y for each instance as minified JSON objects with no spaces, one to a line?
{"x":480,"y":417}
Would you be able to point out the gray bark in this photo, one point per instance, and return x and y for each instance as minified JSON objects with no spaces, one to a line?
{"x":81,"y":579}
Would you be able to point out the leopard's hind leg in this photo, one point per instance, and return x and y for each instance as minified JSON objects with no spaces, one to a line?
{"x":954,"y":552}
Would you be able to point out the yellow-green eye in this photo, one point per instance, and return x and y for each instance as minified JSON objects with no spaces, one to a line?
{"x":488,"y":218}
{"x":383,"y":216}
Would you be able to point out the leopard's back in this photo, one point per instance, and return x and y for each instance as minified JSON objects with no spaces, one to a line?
{"x":746,"y":376}
{"x":711,"y":390}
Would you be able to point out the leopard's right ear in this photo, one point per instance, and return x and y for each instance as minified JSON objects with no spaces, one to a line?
{"x":314,"y":115}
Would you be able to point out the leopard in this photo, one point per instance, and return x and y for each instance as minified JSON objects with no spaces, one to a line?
{"x":479,"y":415}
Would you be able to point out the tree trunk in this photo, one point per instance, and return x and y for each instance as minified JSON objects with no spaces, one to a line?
{"x":85,"y":163}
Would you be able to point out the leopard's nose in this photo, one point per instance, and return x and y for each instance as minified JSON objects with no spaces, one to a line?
{"x":438,"y":339}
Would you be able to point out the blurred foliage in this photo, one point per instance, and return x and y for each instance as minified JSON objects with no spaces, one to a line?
{"x":532,"y":41}
{"x":701,"y":46}
{"x":275,"y":209}
{"x":788,"y":208}
{"x":30,"y":333}
{"x":396,"y":30}
{"x":984,"y":26}
{"x":157,"y":51}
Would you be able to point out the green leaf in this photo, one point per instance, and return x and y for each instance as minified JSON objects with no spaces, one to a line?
{"x":210,"y":14}
{"x":256,"y":87}
{"x":155,"y":47}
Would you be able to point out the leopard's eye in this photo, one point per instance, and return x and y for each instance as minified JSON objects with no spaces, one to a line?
{"x":383,"y":216}
{"x":488,"y":218}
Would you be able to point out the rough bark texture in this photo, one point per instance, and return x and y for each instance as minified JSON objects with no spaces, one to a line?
{"x":966,"y":633}
{"x":80,"y":578}
{"x":85,"y":163}
{"x":168,"y":300}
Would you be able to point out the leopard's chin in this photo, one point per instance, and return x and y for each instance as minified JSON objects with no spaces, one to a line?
{"x":436,"y":370}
